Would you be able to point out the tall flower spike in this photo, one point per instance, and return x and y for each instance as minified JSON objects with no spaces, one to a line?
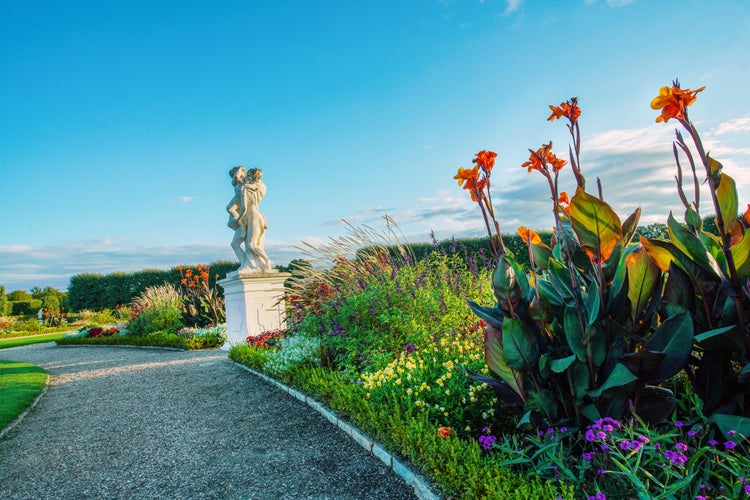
{"x":673,"y":102}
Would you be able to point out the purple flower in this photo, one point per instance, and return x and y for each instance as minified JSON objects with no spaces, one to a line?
{"x":713,"y":443}
{"x":550,"y":430}
{"x":625,"y":444}
{"x":681,"y":446}
{"x":700,"y":497}
{"x":636,"y":445}
{"x":485,"y":430}
{"x":563,"y":429}
{"x":731,"y":433}
{"x":675,"y":457}
{"x":590,"y":436}
{"x":601,"y":435}
{"x":747,"y":489}
{"x":643,"y":439}
{"x":600,"y":471}
{"x":729,"y":445}
{"x":678,"y":424}
{"x":692,"y":433}
{"x":540,"y":433}
{"x":487,"y":441}
{"x":588,"y":456}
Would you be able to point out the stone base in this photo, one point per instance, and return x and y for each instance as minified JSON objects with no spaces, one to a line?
{"x":254,"y":303}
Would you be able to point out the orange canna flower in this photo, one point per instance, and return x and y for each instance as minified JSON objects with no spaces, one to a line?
{"x":189,"y":273}
{"x":444,"y":432}
{"x":746,"y":216}
{"x":564,"y":202}
{"x":475,"y":188}
{"x":485,"y":160}
{"x":204,"y":275}
{"x":673,"y":102}
{"x":529,"y":236}
{"x":568,"y":109}
{"x":179,"y":268}
{"x":539,"y":159}
{"x":467,"y":174}
{"x":183,"y":281}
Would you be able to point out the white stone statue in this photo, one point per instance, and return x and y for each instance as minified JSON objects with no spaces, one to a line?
{"x":244,"y":217}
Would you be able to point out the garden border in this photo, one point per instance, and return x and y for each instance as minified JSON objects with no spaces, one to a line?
{"x":134,"y":347}
{"x":419,"y":484}
{"x":28,"y":409}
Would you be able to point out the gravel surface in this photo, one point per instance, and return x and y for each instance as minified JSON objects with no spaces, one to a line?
{"x":144,"y":423}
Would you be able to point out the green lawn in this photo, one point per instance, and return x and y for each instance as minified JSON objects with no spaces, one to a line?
{"x":20,"y":383}
{"x":34,"y":339}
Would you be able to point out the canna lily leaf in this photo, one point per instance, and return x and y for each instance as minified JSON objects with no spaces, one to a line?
{"x":662,"y":252}
{"x":693,"y":219}
{"x":542,"y":254}
{"x":495,"y":359}
{"x":492,"y":315}
{"x":593,"y":303}
{"x":620,"y":376}
{"x":741,"y":256}
{"x":574,"y":333}
{"x":629,"y":227}
{"x":501,"y":389}
{"x":691,"y":246}
{"x":519,"y":346}
{"x":679,"y":292}
{"x":734,"y":427}
{"x":618,"y":281}
{"x":674,"y":338}
{"x":643,"y":362}
{"x":727,"y":339}
{"x":726,"y":195}
{"x":655,"y":404}
{"x":714,"y":169}
{"x":643,"y":278}
{"x":560,"y":365}
{"x":595,"y":223}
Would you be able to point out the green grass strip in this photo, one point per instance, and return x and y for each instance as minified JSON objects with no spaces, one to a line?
{"x":36,"y":339}
{"x":20,"y":384}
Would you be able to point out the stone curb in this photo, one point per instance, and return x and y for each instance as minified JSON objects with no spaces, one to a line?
{"x":28,"y":409}
{"x":420,"y":485}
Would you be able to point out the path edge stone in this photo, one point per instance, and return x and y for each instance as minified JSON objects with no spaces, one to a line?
{"x":419,"y":484}
{"x":28,"y":409}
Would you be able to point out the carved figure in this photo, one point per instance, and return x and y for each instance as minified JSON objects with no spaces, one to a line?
{"x":245,"y":218}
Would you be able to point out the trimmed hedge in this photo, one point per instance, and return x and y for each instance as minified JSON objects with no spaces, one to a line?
{"x":28,"y":307}
{"x":97,"y":292}
{"x":154,"y":340}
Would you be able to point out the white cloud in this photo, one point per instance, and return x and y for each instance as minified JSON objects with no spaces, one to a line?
{"x":732,"y":126}
{"x":619,"y":3}
{"x":186,"y":199}
{"x":512,"y":6}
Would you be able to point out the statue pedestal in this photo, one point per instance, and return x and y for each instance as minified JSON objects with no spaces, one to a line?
{"x":254,"y":302}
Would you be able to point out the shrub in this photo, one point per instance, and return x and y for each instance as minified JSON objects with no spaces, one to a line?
{"x":28,"y":325}
{"x":154,"y":320}
{"x":6,"y":324}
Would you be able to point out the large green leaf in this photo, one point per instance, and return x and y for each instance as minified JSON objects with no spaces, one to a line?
{"x":643,"y":362}
{"x":691,"y":246}
{"x":501,"y":389}
{"x":595,"y":223}
{"x":655,"y":404}
{"x":495,"y":359}
{"x":679,"y":292}
{"x":674,"y":338}
{"x":574,"y":333}
{"x":492,"y":315}
{"x":542,"y":254}
{"x":618,"y":281}
{"x":629,"y":227}
{"x":643,"y":278}
{"x":726,"y":194}
{"x":619,"y":377}
{"x":741,"y":255}
{"x":733,"y":427}
{"x":560,"y":365}
{"x":519,"y":346}
{"x":728,"y":339}
{"x":662,"y":252}
{"x":592,"y":303}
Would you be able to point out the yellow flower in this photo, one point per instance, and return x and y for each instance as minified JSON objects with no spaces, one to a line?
{"x":673,"y":102}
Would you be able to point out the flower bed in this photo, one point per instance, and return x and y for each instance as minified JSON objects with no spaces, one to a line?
{"x":607,"y":368}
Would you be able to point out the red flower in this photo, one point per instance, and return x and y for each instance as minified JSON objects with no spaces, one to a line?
{"x":542,"y":157}
{"x":464,"y":175}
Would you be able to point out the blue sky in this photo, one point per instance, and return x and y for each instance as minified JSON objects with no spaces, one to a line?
{"x":120,"y":120}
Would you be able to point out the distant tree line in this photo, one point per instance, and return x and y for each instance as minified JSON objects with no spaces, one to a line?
{"x":23,"y":303}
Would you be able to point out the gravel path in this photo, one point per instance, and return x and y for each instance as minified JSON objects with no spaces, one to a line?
{"x":145,"y":423}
